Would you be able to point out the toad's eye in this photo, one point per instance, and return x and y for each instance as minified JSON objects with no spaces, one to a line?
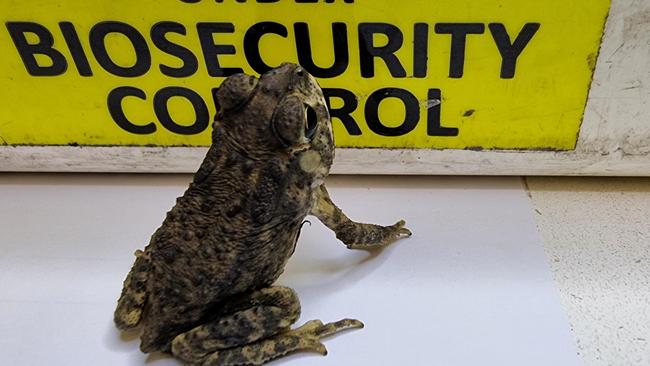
{"x":311,"y":122}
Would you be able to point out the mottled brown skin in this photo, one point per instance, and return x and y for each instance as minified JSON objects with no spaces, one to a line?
{"x":202,"y":289}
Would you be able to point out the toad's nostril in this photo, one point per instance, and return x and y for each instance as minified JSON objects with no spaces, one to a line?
{"x":300,"y":72}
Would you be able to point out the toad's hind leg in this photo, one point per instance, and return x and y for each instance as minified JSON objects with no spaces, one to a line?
{"x":252,"y":330}
{"x":306,"y":338}
{"x":129,"y":306}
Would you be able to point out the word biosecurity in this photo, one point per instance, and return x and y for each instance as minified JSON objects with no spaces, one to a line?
{"x":42,"y":57}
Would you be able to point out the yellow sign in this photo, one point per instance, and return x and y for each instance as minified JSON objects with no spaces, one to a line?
{"x":508,"y":74}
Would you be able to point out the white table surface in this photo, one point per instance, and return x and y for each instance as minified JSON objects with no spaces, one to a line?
{"x":472,"y":286}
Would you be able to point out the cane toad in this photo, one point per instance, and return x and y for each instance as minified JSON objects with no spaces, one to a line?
{"x":203,"y":289}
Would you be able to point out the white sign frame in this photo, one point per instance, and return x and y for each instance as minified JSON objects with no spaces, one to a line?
{"x":614,"y":138}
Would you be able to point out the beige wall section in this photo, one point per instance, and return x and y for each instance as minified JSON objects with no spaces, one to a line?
{"x":617,"y":118}
{"x":614,"y":138}
{"x":595,"y":233}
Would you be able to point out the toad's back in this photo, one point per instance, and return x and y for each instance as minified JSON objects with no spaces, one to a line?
{"x":232,"y":231}
{"x":237,"y":224}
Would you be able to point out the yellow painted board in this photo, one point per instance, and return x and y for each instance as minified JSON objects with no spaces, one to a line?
{"x":492,"y":74}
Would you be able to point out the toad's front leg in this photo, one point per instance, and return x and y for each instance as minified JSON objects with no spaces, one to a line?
{"x":254,"y":329}
{"x":355,"y":235}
